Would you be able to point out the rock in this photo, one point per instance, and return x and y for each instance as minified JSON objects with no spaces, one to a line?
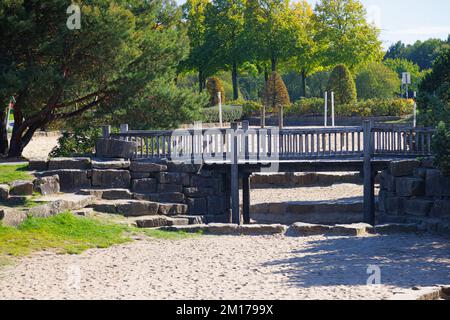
{"x":410,"y":187}
{"x":140,"y":175}
{"x":183,"y":167}
{"x":417,"y":207}
{"x":388,"y":181}
{"x":38,"y":164}
{"x":135,"y":208}
{"x":441,"y":209}
{"x":116,"y":164}
{"x":195,"y":228}
{"x":146,"y":185}
{"x":145,"y":166}
{"x":115,"y":148}
{"x":203,"y":182}
{"x":391,"y":228}
{"x":152,"y":222}
{"x":427,"y":162}
{"x":165,"y":188}
{"x":436,"y":184}
{"x":169,"y":197}
{"x":262,"y":229}
{"x":197,"y":206}
{"x":394,"y":205}
{"x":223,"y":229}
{"x":111,"y":178}
{"x":21,"y":188}
{"x":172,"y":209}
{"x":356,"y":229}
{"x":108,"y":194}
{"x":306,"y":229}
{"x":197,"y":192}
{"x":55,"y":207}
{"x":177,"y":178}
{"x":4,"y":192}
{"x":193,"y":219}
{"x":69,"y":163}
{"x":403,"y":167}
{"x":11,"y":217}
{"x":47,"y":185}
{"x":70,"y":179}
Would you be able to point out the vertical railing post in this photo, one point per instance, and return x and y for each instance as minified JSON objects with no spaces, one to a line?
{"x":236,"y":217}
{"x":106,"y":132}
{"x":369,"y":196}
{"x":124,"y":129}
{"x":245,"y":126}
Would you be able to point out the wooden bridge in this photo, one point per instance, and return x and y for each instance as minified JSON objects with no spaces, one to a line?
{"x":241,"y":151}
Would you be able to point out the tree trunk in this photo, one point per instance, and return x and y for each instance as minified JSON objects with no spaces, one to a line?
{"x":273,"y":62}
{"x":200,"y":81}
{"x":3,"y":131}
{"x":263,"y":117}
{"x":234,"y":74}
{"x":266,"y":75}
{"x":304,"y":82}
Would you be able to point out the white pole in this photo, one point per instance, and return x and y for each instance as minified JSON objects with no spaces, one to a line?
{"x":326,"y":110}
{"x":415,"y":111}
{"x":219,"y":95}
{"x":332,"y":108}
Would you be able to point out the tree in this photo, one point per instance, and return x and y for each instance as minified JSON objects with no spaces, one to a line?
{"x":342,"y":84}
{"x":424,"y":53}
{"x":345,"y":35}
{"x":58,"y":74}
{"x":396,"y":51}
{"x":276,"y":96}
{"x":377,"y":81}
{"x":403,"y":65}
{"x":214,"y":86}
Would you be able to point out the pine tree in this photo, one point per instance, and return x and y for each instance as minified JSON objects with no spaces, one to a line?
{"x":342,"y":84}
{"x":276,"y":96}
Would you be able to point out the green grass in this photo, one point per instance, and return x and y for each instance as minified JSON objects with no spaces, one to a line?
{"x":67,"y":233}
{"x":9,"y":173}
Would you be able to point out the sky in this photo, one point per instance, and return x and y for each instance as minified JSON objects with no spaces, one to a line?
{"x":406,"y":20}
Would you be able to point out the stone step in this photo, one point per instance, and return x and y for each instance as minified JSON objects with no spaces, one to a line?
{"x":55,"y":204}
{"x":138,"y":208}
{"x":108,"y":194}
{"x":160,"y":221}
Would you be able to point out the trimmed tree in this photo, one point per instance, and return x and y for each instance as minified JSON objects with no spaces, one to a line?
{"x":275,"y":97}
{"x":214,"y":86}
{"x":377,"y":81}
{"x":342,"y":84}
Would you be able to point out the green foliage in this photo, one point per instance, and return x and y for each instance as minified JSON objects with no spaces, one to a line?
{"x":377,"y":81}
{"x":10,"y":173}
{"x":342,"y":84}
{"x":403,"y":65}
{"x":229,"y":114}
{"x":441,"y":148}
{"x":214,"y":86}
{"x":80,"y":142}
{"x":251,"y":108}
{"x":434,"y":93}
{"x":275,"y":93}
{"x":308,"y":106}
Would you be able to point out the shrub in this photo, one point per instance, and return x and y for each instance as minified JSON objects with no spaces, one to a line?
{"x":307,"y":106}
{"x":214,"y":86}
{"x":377,"y":81}
{"x":275,"y":93}
{"x":229,"y":114}
{"x":251,"y":108}
{"x":80,"y":142}
{"x":441,"y":148}
{"x":342,"y":84}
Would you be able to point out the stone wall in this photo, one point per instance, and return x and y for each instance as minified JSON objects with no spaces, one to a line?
{"x":202,"y":190}
{"x":415,"y":192}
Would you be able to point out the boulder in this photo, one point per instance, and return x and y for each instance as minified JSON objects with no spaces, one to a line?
{"x":417,"y":207}
{"x":197,"y":206}
{"x":21,"y":188}
{"x":11,"y":217}
{"x":116,"y":164}
{"x":172,"y":209}
{"x":70,"y":179}
{"x":403,"y":167}
{"x":410,"y":187}
{"x":145,"y":185}
{"x":38,"y":164}
{"x":145,"y":166}
{"x":177,"y":178}
{"x":111,"y":178}
{"x":69,"y":163}
{"x":4,"y":192}
{"x":115,"y":148}
{"x":261,"y":229}
{"x":47,"y":185}
{"x":306,"y":229}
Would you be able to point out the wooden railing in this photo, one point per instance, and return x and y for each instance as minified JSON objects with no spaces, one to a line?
{"x":254,"y":144}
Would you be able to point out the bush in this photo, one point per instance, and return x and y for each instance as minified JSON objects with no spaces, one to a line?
{"x":251,"y":108}
{"x":307,"y":106}
{"x":275,"y":93}
{"x":377,"y":81}
{"x":80,"y":142}
{"x":214,"y":86}
{"x":229,"y":114}
{"x":441,"y":148}
{"x":342,"y":84}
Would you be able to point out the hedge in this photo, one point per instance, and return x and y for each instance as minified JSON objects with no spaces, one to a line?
{"x":229,"y":114}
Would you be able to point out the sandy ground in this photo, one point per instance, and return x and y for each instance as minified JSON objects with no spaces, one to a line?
{"x":227,"y":267}
{"x":335,"y":192}
{"x":41,"y":145}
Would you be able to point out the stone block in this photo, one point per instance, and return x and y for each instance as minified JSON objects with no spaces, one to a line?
{"x":392,"y":228}
{"x":417,"y":207}
{"x":440,"y":209}
{"x":69,"y":163}
{"x":115,"y":148}
{"x":306,"y":229}
{"x":355,"y":230}
{"x":70,"y":179}
{"x":21,"y":188}
{"x":145,"y":166}
{"x":223,"y":229}
{"x":178,"y":178}
{"x":38,"y":164}
{"x":388,"y":181}
{"x":111,"y":178}
{"x":183,"y":167}
{"x":436,"y":184}
{"x":172,"y":209}
{"x":140,"y":175}
{"x":394,"y":205}
{"x":136,"y":208}
{"x":116,"y":194}
{"x":47,"y":185}
{"x":110,"y":164}
{"x":197,"y":206}
{"x":403,"y":167}
{"x":410,"y":187}
{"x":205,"y":182}
{"x":146,"y":185}
{"x":165,"y":188}
{"x":261,"y":229}
{"x":216,"y":205}
{"x":169,"y":197}
{"x":198,"y":192}
{"x":4,"y":192}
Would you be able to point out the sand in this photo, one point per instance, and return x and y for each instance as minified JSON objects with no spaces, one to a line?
{"x":227,"y":267}
{"x":41,"y":145}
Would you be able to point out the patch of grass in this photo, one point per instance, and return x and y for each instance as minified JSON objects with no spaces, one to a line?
{"x":403,"y":120}
{"x":64,"y":233}
{"x":10,"y":173}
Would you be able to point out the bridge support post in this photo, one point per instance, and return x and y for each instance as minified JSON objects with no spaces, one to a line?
{"x":369,"y":177}
{"x":236,"y":216}
{"x":246,"y":198}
